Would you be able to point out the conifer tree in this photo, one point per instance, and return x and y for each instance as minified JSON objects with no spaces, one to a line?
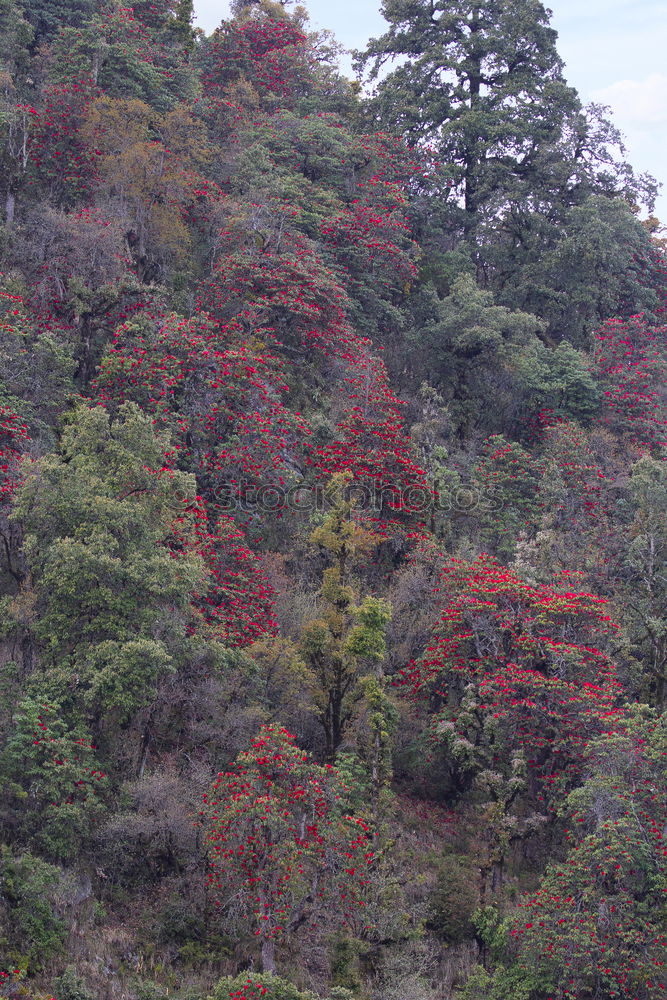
{"x":480,"y":78}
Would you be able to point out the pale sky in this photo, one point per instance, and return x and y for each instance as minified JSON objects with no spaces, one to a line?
{"x":614,"y":52}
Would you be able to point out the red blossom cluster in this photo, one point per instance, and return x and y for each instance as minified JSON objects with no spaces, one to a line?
{"x":398,"y":170}
{"x":283,"y":293}
{"x":13,"y":315}
{"x":6,"y":976}
{"x":533,"y":656}
{"x":60,"y":160}
{"x":596,"y":917}
{"x":220,"y":396}
{"x":372,"y":445}
{"x":372,"y":244}
{"x":13,"y":439}
{"x":273,"y":825}
{"x":251,"y":991}
{"x":239,"y":604}
{"x":632,"y":365}
{"x":271,"y":53}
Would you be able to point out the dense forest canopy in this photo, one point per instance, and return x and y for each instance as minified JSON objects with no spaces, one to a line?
{"x":333,"y":513}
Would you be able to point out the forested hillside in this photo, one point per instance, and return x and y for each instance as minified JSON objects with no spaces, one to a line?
{"x":333,"y":513}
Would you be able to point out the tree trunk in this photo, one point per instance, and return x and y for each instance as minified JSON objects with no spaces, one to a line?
{"x":376,"y":783}
{"x":143,"y":755}
{"x":472,"y":151}
{"x":269,"y":955}
{"x":10,"y":207}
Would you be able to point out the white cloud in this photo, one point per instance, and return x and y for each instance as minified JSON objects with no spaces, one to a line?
{"x":638,"y":105}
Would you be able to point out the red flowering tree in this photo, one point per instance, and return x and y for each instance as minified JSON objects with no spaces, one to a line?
{"x":62,"y":164}
{"x":372,"y":243}
{"x":273,"y":835}
{"x":268,"y":50}
{"x":595,"y":925}
{"x":277,"y":286}
{"x":513,"y":665}
{"x":13,"y":441}
{"x":371,"y":444}
{"x":238,"y":605}
{"x":390,"y":170}
{"x":632,"y":365}
{"x":379,"y":454}
{"x":372,"y":246}
{"x":222,"y":398}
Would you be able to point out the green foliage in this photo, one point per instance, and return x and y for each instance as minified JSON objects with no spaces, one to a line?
{"x":367,"y":637}
{"x":346,"y":953}
{"x":491,"y":929}
{"x":36,"y":368}
{"x":506,"y":478}
{"x":593,"y":267}
{"x":70,"y":986}
{"x":472,"y":78}
{"x":474,"y":345}
{"x":48,"y":16}
{"x":505,"y":983}
{"x":113,"y":593}
{"x":253,"y":985}
{"x":534,"y":176}
{"x":314,"y":184}
{"x":16,"y":34}
{"x":51,"y":781}
{"x":645,"y":558}
{"x":346,"y":636}
{"x":148,"y":989}
{"x":556,"y":384}
{"x":117,"y":50}
{"x":30,"y":924}
{"x":453,"y":900}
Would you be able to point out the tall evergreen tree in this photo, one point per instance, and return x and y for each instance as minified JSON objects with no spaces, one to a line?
{"x":480,"y":78}
{"x":48,"y":16}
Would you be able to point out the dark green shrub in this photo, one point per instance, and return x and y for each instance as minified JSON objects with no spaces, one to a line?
{"x":454,"y":900}
{"x":69,"y":986}
{"x":28,"y":893}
